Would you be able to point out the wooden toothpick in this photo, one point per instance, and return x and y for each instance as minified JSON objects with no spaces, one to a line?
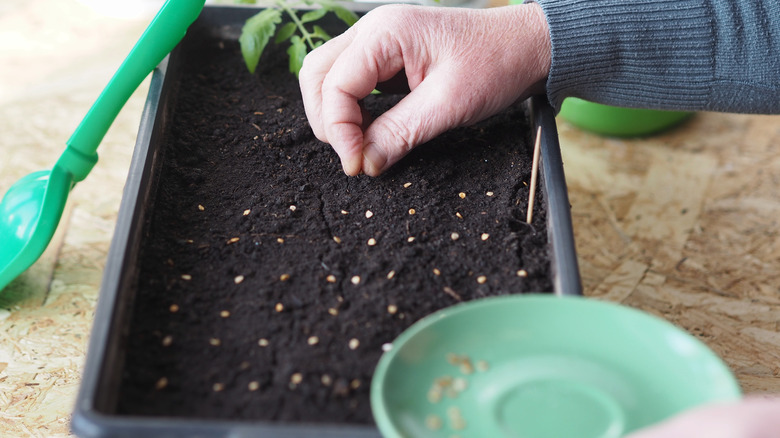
{"x":534,"y":173}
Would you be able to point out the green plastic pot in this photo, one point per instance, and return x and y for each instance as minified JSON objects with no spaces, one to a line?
{"x":617,"y":121}
{"x":539,"y":367}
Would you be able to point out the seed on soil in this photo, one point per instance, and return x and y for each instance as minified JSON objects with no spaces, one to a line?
{"x":387,"y":347}
{"x":436,"y":271}
{"x":284,"y":277}
{"x":243,"y":365}
{"x":313,"y":340}
{"x":354,"y":343}
{"x":481,"y":279}
{"x":326,"y":380}
{"x":460,"y":216}
{"x":433,"y":422}
{"x":167,"y":341}
{"x":412,"y":211}
{"x":333,"y":311}
{"x":215,"y":342}
{"x":173,"y":308}
{"x":233,"y":240}
{"x":293,"y":208}
{"x":354,"y":384}
{"x":369,"y":213}
{"x":392,"y":309}
{"x":522,"y":273}
{"x":253,"y":386}
{"x":371,"y":242}
{"x":482,"y":366}
{"x":337,"y":239}
{"x":355,"y":280}
{"x":462,"y":195}
{"x":186,"y":277}
{"x":217,"y":387}
{"x":390,"y":275}
{"x":279,"y":307}
{"x":407,"y":185}
{"x":162,"y":383}
{"x":410,"y":239}
{"x":485,"y":236}
{"x":279,"y":240}
{"x":224,"y":313}
{"x":247,"y":211}
{"x":263,"y":342}
{"x":489,"y":193}
{"x":238,"y":279}
{"x":454,"y":236}
{"x":201,"y":208}
{"x":345,"y":212}
{"x":296,"y":378}
{"x":330,"y":278}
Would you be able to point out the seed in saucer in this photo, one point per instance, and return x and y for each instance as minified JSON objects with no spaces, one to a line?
{"x":433,"y":422}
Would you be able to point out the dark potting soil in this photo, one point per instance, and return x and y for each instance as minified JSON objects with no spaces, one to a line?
{"x":269,"y":281}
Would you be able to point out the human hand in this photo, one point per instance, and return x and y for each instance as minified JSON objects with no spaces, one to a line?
{"x":462,"y":66}
{"x":751,"y":418}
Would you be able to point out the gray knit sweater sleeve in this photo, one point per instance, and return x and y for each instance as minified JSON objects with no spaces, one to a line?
{"x":718,"y":55}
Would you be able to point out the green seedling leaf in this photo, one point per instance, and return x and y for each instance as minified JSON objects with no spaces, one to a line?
{"x":285,"y":32}
{"x":296,"y":52}
{"x":345,"y":14}
{"x":320,"y":33}
{"x":256,"y":33}
{"x":313,"y":15}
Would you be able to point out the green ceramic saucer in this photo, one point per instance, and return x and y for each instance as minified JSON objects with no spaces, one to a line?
{"x":616,"y":121}
{"x":538,"y":367}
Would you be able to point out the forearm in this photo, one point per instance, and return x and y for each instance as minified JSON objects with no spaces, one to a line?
{"x":718,"y":55}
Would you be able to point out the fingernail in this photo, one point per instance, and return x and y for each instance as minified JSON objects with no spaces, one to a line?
{"x":373,"y":159}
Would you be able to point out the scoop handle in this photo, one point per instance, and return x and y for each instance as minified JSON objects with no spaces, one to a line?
{"x":160,"y":37}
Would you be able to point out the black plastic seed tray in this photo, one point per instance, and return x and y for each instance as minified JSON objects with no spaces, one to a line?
{"x":96,"y":413}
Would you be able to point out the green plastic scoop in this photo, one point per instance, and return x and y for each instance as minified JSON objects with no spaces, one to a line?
{"x":541,"y":367}
{"x":31,"y":209}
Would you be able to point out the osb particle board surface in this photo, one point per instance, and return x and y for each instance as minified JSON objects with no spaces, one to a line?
{"x":682,"y":225}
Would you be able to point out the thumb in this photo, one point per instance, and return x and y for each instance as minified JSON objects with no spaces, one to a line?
{"x":419,"y":117}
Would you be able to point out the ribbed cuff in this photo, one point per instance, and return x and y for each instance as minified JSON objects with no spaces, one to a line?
{"x":636,"y":53}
